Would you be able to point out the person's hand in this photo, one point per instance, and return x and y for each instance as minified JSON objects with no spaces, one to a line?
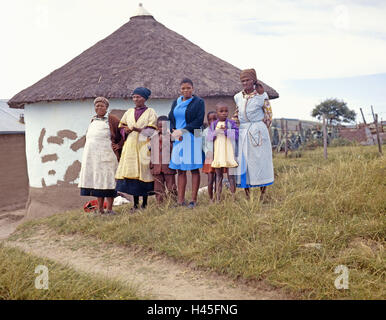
{"x":177,"y":134}
{"x":267,"y":122}
{"x":115,"y":146}
{"x":137,"y":129}
{"x":220,"y":130}
{"x":127,"y":130}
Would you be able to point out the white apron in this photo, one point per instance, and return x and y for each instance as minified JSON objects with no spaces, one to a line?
{"x":255,"y":151}
{"x":99,"y":162}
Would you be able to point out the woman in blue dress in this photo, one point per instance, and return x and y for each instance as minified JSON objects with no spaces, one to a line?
{"x":186,"y":119}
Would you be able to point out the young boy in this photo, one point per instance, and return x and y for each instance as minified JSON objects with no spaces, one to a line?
{"x":160,"y":151}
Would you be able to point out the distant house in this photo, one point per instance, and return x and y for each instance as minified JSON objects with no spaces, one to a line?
{"x":58,"y":108}
{"x":363,"y":134}
{"x":13,"y":164}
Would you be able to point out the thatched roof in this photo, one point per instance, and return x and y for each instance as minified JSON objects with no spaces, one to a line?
{"x":143,"y":52}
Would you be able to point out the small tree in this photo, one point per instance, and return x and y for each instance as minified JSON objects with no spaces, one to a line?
{"x":336,"y":111}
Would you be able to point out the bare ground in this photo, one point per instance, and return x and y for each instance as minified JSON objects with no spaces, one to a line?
{"x":156,"y":276}
{"x":9,"y":220}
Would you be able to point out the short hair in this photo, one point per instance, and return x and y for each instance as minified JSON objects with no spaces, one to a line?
{"x":209,"y":113}
{"x":186,"y":80}
{"x":162,"y":118}
{"x":221,"y":104}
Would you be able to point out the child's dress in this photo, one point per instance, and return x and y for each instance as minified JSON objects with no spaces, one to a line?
{"x":207,"y":147}
{"x":224,"y":144}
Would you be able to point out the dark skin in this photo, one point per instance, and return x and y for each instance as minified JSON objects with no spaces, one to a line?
{"x":222,"y":115}
{"x":139,"y":102}
{"x":101,"y":110}
{"x":211,"y":175}
{"x":249,"y":86}
{"x":186,"y":90}
{"x":162,"y":128}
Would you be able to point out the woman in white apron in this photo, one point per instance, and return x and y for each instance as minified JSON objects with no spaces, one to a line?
{"x":254,"y":152}
{"x":99,"y":159}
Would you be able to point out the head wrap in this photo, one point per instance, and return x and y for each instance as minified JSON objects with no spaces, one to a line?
{"x":248,"y":74}
{"x":143,"y":92}
{"x":103,"y":100}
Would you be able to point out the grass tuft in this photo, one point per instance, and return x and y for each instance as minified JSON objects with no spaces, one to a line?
{"x":318,"y":214}
{"x":17,"y":281}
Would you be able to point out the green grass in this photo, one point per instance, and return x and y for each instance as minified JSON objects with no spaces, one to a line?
{"x":17,"y":280}
{"x":338,"y":203}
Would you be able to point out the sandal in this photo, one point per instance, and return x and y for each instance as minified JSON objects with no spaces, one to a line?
{"x":192,"y":204}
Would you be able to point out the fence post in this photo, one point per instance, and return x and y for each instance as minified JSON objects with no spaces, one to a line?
{"x":301,"y":131}
{"x":378,"y":138}
{"x":324,"y":136}
{"x":286,"y":138}
{"x":363,"y":117}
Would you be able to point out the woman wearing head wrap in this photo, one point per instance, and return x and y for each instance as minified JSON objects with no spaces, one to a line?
{"x":100,"y":156}
{"x":255,"y":152}
{"x":186,"y":119}
{"x":138,"y":124}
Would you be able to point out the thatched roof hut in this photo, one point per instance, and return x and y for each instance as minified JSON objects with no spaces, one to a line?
{"x":58,"y":108}
{"x":143,"y":52}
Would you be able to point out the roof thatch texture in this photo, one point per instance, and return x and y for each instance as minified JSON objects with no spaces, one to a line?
{"x":143,"y":52}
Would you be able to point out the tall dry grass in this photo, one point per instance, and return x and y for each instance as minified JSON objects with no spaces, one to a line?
{"x":17,"y":281}
{"x":319,"y":214}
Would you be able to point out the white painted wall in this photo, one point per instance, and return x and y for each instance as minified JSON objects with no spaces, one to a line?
{"x":70,"y":115}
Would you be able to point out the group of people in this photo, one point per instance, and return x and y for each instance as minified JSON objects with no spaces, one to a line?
{"x":140,"y":154}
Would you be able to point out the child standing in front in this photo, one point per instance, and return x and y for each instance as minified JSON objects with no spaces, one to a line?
{"x":207,"y":147}
{"x":160,"y":151}
{"x":224,"y":134}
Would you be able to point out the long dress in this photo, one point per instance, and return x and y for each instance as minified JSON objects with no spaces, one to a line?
{"x":133,"y":174}
{"x":255,"y":151}
{"x":224,"y":153}
{"x":187,"y":153}
{"x":99,"y":162}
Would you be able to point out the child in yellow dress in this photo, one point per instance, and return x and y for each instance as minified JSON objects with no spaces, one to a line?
{"x":224,"y":134}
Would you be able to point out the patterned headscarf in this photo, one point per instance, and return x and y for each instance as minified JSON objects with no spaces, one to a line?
{"x":103,"y":100}
{"x":248,"y":74}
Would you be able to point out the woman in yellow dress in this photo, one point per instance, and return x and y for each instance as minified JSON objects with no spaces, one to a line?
{"x":224,"y":132}
{"x":138,"y":124}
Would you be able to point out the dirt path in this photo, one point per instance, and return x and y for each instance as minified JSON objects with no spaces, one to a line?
{"x":9,"y":221}
{"x":155,"y":275}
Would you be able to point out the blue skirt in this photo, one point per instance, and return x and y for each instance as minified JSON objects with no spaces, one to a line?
{"x":99,"y":193}
{"x":135,"y":187}
{"x":187,"y":154}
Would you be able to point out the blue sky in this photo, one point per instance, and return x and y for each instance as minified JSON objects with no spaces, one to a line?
{"x":306,"y":50}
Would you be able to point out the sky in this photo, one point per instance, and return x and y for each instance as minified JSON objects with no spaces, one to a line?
{"x":306,"y":50}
